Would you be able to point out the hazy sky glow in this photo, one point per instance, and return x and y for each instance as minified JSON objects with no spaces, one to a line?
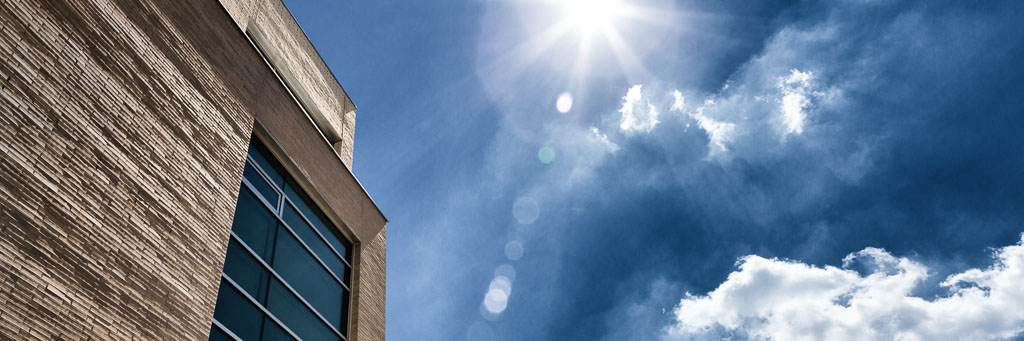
{"x":680,"y":170}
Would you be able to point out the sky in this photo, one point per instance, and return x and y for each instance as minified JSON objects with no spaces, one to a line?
{"x":689,"y":170}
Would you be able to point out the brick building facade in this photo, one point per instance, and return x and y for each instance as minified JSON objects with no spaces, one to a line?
{"x":124,"y":130}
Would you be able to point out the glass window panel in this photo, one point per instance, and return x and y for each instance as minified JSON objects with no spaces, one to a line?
{"x":246,"y":271}
{"x":218,"y":335}
{"x":237,"y":313}
{"x":261,"y":184}
{"x":318,"y":219}
{"x":308,"y":278}
{"x":274,"y":332}
{"x":254,"y":223}
{"x":296,"y":316}
{"x":306,"y":233}
{"x":259,"y":228}
{"x":267,"y":163}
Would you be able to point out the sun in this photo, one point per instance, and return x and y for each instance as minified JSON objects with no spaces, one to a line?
{"x":592,"y":15}
{"x":582,"y":38}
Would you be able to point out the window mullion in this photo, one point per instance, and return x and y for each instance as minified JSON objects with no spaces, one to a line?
{"x":303,"y":216}
{"x":226,"y":330}
{"x":277,"y":209}
{"x":263,"y":174}
{"x":280,"y":220}
{"x":283,"y":282}
{"x":250,"y":187}
{"x":311,"y":253}
{"x":258,"y":305}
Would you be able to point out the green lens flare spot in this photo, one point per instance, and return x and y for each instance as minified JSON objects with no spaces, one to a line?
{"x":546,"y":155}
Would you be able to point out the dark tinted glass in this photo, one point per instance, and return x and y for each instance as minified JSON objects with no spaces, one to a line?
{"x":254,"y":223}
{"x":296,"y":316}
{"x":273,"y":332}
{"x":310,"y":237}
{"x":316,"y":301}
{"x":267,"y":163}
{"x":306,"y":276}
{"x":217,"y":335}
{"x":261,"y":184}
{"x":237,"y":313}
{"x":318,"y":219}
{"x":246,"y":271}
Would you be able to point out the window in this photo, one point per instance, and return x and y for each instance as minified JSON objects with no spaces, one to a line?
{"x":287,"y":271}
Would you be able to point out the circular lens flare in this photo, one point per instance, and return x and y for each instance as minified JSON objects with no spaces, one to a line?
{"x":525,"y":210}
{"x":564,"y":102}
{"x":514,"y":250}
{"x":496,"y":301}
{"x":546,"y":155}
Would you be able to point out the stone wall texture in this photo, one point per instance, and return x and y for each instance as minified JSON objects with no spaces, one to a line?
{"x":123,"y":129}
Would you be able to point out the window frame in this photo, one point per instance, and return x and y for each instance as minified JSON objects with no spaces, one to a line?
{"x":277,"y":211}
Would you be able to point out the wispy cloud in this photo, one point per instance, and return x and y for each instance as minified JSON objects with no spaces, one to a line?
{"x":678,"y":101}
{"x":603,"y":138}
{"x":789,"y":300}
{"x":720,"y":133}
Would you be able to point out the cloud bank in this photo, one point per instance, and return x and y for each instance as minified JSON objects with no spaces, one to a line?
{"x":788,"y":300}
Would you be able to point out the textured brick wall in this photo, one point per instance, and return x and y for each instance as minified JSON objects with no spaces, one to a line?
{"x":120,"y":154}
{"x":120,"y":151}
{"x":123,"y":125}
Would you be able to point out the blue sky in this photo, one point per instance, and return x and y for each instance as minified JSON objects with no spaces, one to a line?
{"x":775,"y":169}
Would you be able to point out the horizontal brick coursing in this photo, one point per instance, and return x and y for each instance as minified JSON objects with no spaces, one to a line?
{"x":121,"y":142}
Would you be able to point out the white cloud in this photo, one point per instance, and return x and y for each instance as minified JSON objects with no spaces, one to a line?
{"x":795,"y":100}
{"x":793,"y":115}
{"x":678,"y":102}
{"x":637,"y":114}
{"x":719,"y":133}
{"x":609,"y":145}
{"x":788,"y":300}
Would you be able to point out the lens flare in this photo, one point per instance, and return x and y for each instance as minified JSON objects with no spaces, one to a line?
{"x":506,"y":271}
{"x":525,"y":210}
{"x":514,"y":250}
{"x":546,"y":155}
{"x":496,"y":299}
{"x":564,"y":102}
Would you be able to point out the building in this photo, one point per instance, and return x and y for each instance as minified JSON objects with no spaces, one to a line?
{"x":145,"y":142}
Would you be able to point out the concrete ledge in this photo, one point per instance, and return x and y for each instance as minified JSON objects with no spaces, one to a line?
{"x":300,"y":65}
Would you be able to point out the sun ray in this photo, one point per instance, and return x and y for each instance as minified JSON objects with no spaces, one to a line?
{"x":627,"y":60}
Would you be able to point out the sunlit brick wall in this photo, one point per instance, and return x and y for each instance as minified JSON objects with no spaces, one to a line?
{"x":121,"y":140}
